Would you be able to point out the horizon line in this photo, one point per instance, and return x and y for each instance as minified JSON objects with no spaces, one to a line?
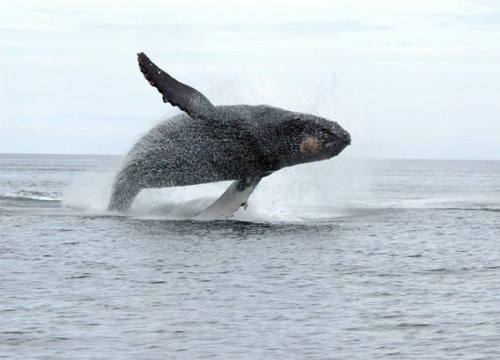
{"x":343,"y":157}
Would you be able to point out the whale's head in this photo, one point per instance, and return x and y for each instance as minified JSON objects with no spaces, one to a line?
{"x":303,"y":138}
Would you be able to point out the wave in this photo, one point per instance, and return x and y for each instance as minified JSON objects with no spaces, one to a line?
{"x":23,"y":195}
{"x":475,"y":207}
{"x":465,"y":203}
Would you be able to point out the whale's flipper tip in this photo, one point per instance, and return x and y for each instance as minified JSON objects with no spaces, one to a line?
{"x":178,"y":94}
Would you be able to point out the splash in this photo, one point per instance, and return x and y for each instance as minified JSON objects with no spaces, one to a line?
{"x":300,"y":193}
{"x":89,"y":192}
{"x":310,"y":192}
{"x":318,"y":192}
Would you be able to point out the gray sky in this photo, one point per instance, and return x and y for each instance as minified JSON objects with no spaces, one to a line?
{"x":408,"y":79}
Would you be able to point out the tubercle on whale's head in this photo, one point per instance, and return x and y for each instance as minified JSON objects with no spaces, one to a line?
{"x":304,"y":138}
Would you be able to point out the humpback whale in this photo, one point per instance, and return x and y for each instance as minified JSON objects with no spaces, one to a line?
{"x":209,"y":143}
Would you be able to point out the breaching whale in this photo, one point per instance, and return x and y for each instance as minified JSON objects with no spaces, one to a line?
{"x":210,"y":143}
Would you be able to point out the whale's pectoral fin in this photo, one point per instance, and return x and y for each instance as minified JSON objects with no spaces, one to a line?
{"x":231,"y":200}
{"x":178,"y":94}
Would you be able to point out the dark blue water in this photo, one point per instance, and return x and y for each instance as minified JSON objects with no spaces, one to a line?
{"x":344,"y":259}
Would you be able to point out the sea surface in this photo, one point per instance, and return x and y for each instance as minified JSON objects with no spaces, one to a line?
{"x":342,"y":259}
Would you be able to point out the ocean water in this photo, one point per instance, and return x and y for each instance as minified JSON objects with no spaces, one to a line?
{"x":343,"y":259}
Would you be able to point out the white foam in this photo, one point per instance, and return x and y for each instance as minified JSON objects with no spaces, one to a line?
{"x":30,"y":195}
{"x":311,"y":192}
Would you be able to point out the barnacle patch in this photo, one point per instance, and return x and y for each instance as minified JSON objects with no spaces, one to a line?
{"x":310,"y":144}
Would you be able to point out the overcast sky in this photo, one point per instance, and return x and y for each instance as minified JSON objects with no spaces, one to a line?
{"x":408,"y":79}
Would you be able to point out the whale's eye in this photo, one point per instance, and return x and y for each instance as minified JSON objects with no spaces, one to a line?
{"x":310,"y":144}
